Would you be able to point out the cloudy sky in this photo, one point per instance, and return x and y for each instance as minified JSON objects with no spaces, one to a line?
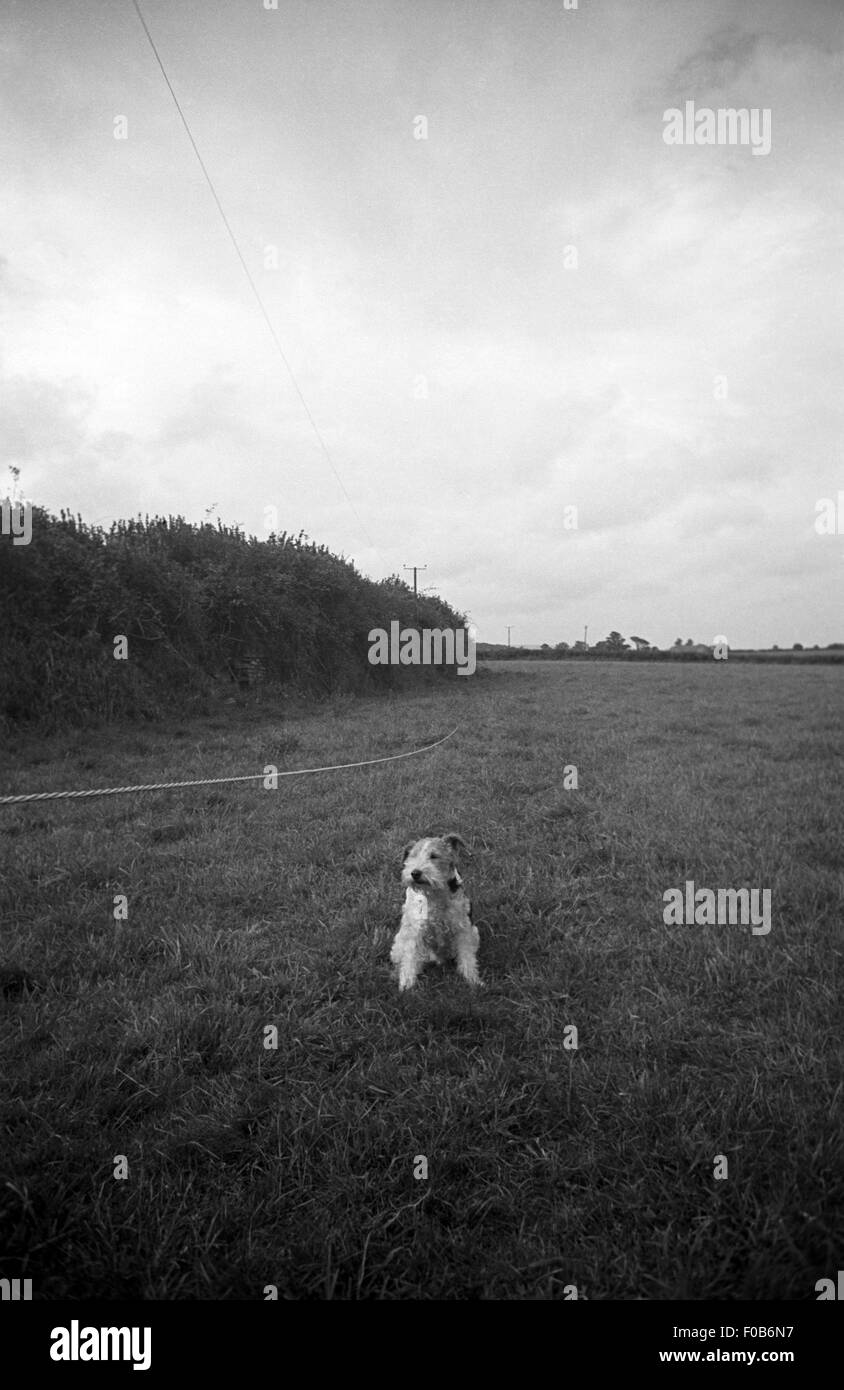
{"x":676,"y":378}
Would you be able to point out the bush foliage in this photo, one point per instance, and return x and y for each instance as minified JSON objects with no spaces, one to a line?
{"x":197,"y":603}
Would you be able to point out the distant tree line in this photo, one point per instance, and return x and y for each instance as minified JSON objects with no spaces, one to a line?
{"x":200,"y":605}
{"x":615,"y":646}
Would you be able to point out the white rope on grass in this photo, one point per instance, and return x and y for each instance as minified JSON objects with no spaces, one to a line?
{"x":217,"y":781}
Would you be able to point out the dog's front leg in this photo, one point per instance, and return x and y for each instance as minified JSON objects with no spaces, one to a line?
{"x":405,"y":958}
{"x":407,"y":952}
{"x":467,"y":966}
{"x":467,"y":951}
{"x":408,"y":973}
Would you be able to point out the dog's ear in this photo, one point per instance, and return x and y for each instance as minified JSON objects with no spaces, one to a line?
{"x":406,"y":851}
{"x":456,"y":843}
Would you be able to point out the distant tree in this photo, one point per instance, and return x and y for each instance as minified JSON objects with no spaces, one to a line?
{"x":834,"y":646}
{"x":640,"y":642}
{"x":613,"y":645}
{"x":545,"y":647}
{"x":678,"y":641}
{"x":561,"y":647}
{"x":580,"y":647}
{"x":798,"y":647}
{"x":688,"y":642}
{"x":775,"y":648}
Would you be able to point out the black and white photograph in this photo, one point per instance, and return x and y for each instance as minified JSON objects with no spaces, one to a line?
{"x":422,"y":663}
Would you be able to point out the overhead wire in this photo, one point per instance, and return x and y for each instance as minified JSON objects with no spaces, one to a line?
{"x":255,"y":291}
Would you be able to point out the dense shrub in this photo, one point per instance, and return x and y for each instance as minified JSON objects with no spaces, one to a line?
{"x":197,"y":604}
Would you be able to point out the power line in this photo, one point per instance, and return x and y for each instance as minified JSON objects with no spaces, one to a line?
{"x":254,"y":288}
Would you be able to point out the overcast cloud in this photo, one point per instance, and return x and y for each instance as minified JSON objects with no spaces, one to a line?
{"x":469,"y":383}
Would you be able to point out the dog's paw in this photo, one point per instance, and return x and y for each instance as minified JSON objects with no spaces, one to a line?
{"x":472,"y":978}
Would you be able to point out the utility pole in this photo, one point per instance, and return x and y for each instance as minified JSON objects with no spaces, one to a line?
{"x":508,"y":637}
{"x":416,"y":569}
{"x":585,"y":634}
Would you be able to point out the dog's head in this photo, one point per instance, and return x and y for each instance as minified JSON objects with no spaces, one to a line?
{"x":432,"y":863}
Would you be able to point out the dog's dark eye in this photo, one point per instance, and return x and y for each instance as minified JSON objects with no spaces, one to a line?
{"x":435,"y":856}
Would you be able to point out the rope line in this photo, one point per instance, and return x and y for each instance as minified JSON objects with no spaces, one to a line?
{"x":254,"y":289}
{"x":217,"y":781}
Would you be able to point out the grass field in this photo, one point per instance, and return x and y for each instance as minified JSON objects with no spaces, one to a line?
{"x":547,"y":1167}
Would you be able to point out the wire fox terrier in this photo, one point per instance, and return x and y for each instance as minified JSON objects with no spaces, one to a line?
{"x":436,"y":921}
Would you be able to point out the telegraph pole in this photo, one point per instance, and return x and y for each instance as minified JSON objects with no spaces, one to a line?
{"x":508,"y":637}
{"x":585,"y":634}
{"x":416,"y":569}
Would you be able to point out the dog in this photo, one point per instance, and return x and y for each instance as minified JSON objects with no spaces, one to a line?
{"x":436,"y":921}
